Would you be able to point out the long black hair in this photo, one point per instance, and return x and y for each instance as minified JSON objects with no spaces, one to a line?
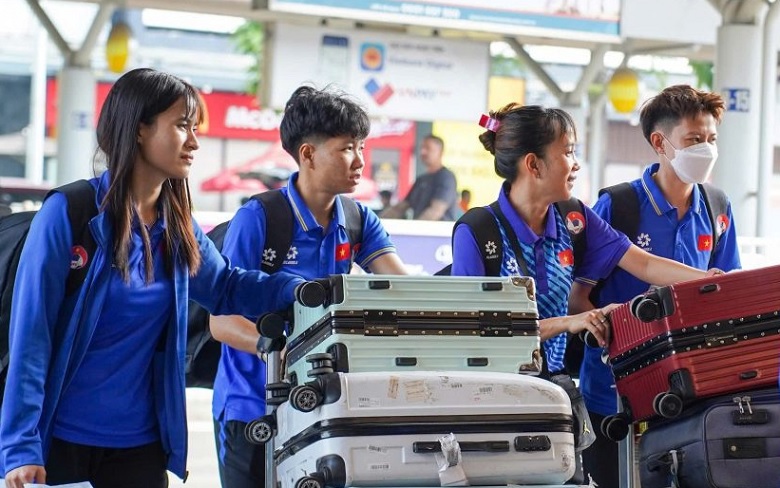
{"x":136,"y":98}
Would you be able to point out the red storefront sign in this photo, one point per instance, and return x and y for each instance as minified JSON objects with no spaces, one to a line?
{"x":228,"y":115}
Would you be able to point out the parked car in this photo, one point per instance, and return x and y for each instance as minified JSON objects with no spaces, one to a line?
{"x":19,"y":194}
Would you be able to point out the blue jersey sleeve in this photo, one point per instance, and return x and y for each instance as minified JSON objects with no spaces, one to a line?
{"x":38,"y":294}
{"x":223,"y":289}
{"x":466,"y":258}
{"x":376,"y":240}
{"x":605,"y":248}
{"x":727,"y":251}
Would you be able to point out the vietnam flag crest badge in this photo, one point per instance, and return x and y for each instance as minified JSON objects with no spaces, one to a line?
{"x":705,"y":242}
{"x":343,"y":252}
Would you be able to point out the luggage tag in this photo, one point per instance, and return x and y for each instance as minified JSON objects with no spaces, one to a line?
{"x":449,"y":461}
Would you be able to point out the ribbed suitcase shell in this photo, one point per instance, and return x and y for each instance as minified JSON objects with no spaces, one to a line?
{"x":721,"y":335}
{"x":384,"y":323}
{"x":378,"y":417}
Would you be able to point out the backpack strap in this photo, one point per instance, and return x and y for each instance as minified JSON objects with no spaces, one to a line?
{"x":485,"y":230}
{"x":578,"y":241}
{"x":81,"y":209}
{"x":717,"y":204}
{"x":624,"y":209}
{"x":511,"y":237}
{"x":353,"y":219}
{"x":278,"y":211}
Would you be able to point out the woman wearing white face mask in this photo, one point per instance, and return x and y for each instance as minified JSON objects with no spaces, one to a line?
{"x":693,"y":164}
{"x":673,"y":221}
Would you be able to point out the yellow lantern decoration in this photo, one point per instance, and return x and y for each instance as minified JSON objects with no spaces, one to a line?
{"x":623,"y":90}
{"x":118,"y":47}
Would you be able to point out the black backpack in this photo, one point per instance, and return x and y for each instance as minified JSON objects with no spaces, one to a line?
{"x":203,"y":351}
{"x":13,"y":233}
{"x":625,"y":210}
{"x":486,"y":232}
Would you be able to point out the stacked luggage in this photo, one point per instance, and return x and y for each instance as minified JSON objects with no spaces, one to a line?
{"x":414,"y":381}
{"x":699,"y":361}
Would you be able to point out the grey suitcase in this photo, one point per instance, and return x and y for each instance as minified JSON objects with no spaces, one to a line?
{"x":727,"y":442}
{"x":426,"y":323}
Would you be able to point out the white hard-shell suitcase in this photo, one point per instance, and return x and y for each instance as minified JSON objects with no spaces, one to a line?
{"x":384,"y":429}
{"x":421,"y":323}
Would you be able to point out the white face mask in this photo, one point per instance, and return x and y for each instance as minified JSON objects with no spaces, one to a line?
{"x":694,"y":164}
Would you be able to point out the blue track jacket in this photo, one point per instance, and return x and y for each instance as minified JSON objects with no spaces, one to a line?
{"x":51,"y":333}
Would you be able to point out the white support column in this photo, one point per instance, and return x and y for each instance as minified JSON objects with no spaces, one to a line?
{"x":75,"y":124}
{"x":738,"y":78}
{"x":36,"y":131}
{"x":771,"y":45}
{"x":597,"y":129}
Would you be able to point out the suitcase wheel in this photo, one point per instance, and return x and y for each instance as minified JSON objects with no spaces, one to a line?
{"x":615,"y":427}
{"x":646,"y":308}
{"x":321,"y":363}
{"x":277,"y":393}
{"x":310,"y":482}
{"x":259,"y":431}
{"x":668,"y":405}
{"x":305,"y":398}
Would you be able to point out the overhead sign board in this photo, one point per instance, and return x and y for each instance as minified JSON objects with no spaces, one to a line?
{"x":398,"y":76}
{"x":568,"y":19}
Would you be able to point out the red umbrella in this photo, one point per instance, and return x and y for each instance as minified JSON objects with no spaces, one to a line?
{"x":272,"y":169}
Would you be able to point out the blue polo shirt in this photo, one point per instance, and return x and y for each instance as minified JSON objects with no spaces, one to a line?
{"x":315,"y":252}
{"x":110,"y":402}
{"x":662,"y":234}
{"x":549,"y":258}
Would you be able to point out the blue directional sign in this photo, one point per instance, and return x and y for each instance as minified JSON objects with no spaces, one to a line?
{"x":737,"y":99}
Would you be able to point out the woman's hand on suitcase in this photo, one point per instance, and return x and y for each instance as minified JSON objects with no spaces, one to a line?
{"x":596,"y":322}
{"x":714,"y":272}
{"x":18,"y":477}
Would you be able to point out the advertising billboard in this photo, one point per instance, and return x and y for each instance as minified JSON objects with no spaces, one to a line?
{"x":397,"y":76}
{"x":595,"y":20}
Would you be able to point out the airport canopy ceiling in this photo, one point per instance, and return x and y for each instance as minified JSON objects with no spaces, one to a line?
{"x":662,"y":27}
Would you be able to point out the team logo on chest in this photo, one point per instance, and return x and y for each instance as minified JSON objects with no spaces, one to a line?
{"x":292,"y":256}
{"x":512,"y":267}
{"x":78,"y":257}
{"x":575,"y":222}
{"x":723,"y":223}
{"x":643,"y":241}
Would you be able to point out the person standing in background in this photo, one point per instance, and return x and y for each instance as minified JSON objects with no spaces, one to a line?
{"x":434,"y":195}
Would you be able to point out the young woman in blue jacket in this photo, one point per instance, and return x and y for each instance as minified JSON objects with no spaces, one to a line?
{"x":95,"y":388}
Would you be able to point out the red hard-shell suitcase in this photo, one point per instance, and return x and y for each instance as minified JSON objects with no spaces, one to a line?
{"x":696,"y":339}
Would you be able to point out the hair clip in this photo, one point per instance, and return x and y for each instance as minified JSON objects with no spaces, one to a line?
{"x":489,"y":123}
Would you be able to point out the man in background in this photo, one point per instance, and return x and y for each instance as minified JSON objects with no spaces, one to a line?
{"x":434,"y":195}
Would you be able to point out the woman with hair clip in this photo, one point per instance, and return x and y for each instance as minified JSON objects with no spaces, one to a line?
{"x":534,"y":153}
{"x":95,"y":388}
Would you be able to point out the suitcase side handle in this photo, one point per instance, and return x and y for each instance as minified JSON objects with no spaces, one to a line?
{"x":492,"y":286}
{"x":379,"y":285}
{"x":426,"y":447}
{"x":709,"y":288}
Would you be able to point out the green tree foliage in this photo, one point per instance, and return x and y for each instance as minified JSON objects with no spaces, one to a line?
{"x":248,"y":39}
{"x":704,"y":73}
